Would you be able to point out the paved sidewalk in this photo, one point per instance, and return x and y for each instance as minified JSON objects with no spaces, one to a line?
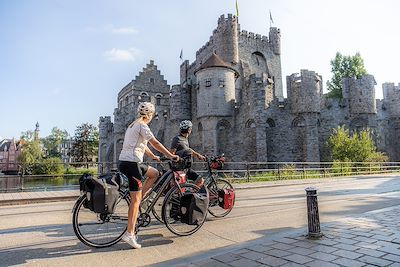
{"x":372,"y":239}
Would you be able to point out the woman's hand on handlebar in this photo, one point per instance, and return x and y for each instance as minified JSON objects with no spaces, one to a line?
{"x":175,"y":158}
{"x":157,"y":158}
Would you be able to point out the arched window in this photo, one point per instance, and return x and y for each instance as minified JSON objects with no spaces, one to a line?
{"x":250,"y":124}
{"x":270,"y":123}
{"x":259,"y":63}
{"x":358,"y":124}
{"x":144,"y":97}
{"x":158,"y":98}
{"x":200,"y":127}
{"x":299,"y":121}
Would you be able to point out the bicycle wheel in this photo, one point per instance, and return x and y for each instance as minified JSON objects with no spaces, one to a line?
{"x":214,"y":208}
{"x":170,"y":211}
{"x":100,"y":230}
{"x":157,"y":209}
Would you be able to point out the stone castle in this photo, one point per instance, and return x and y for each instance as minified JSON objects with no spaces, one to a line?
{"x":233,"y":95}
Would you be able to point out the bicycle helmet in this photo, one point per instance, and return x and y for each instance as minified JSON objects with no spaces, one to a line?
{"x":146,"y":108}
{"x":186,"y":124}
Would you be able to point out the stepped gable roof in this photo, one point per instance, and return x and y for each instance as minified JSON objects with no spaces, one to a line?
{"x":215,"y":61}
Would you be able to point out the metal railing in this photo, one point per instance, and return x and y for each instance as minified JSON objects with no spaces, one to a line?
{"x":28,"y":179}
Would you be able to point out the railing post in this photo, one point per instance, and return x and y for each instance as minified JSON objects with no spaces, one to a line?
{"x":341,"y":168}
{"x":314,"y":229}
{"x":279,"y":171}
{"x":247,"y":172}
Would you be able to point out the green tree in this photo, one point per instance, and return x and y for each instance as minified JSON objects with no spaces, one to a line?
{"x":356,"y":147}
{"x":52,"y":165}
{"x":86,"y":142}
{"x":31,"y":155}
{"x":52,"y":142}
{"x":344,"y":67}
{"x":27,"y":135}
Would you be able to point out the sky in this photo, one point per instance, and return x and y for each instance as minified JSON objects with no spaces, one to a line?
{"x":63,"y":62}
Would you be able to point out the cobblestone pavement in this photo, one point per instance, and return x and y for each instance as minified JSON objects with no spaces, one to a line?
{"x":372,"y":239}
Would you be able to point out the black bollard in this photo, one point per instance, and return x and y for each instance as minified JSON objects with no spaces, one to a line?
{"x":314,"y":229}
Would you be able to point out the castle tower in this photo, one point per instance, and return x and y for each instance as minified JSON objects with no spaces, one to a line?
{"x":360,"y":94}
{"x":215,"y":98}
{"x":275,"y":40}
{"x":262,"y":95}
{"x":304,"y":94}
{"x":391,"y":100}
{"x":226,"y":39}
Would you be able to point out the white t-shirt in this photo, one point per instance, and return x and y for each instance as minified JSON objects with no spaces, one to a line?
{"x":135,"y":142}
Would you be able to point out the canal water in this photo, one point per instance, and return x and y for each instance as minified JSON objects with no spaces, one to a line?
{"x":18,"y":184}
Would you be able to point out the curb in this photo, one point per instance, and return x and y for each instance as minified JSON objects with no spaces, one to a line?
{"x":23,"y":201}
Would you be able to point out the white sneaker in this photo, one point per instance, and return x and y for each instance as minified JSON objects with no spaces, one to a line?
{"x":131,"y":240}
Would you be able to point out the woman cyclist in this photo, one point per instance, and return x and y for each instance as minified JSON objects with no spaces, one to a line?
{"x":136,"y":138}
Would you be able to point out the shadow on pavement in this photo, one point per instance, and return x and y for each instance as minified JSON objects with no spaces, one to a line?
{"x":54,"y":246}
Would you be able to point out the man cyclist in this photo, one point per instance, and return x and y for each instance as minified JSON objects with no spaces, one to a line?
{"x":180,"y":146}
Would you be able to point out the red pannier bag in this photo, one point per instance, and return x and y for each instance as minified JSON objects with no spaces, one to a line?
{"x":226,"y":198}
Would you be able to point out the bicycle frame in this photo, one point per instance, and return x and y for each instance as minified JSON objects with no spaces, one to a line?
{"x":165,"y":179}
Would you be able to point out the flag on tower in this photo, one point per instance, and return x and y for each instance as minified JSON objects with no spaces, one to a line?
{"x":270,"y":17}
{"x":181,"y":55}
{"x":237,"y":9}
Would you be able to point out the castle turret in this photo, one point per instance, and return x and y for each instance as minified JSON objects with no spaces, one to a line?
{"x":304,"y":92}
{"x":262,"y":95}
{"x":360,"y":94}
{"x":391,"y":99}
{"x":216,"y":88}
{"x":226,"y":39}
{"x":215,"y":98}
{"x":275,"y":40}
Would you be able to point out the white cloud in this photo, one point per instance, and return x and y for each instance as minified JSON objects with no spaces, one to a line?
{"x":115,"y":54}
{"x":120,"y":30}
{"x":110,"y":28}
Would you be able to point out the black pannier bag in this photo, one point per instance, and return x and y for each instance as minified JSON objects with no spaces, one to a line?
{"x":193,"y":208}
{"x":101,"y":193}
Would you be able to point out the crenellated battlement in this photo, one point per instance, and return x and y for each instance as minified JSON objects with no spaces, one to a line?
{"x":251,"y":35}
{"x":391,"y":98}
{"x":304,"y":91}
{"x":390,"y":90}
{"x":228,"y":20}
{"x":360,"y":94}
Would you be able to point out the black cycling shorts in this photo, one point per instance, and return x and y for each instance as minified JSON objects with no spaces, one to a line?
{"x":135,"y":173}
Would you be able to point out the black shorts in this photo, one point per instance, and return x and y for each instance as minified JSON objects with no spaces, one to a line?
{"x":135,"y":173}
